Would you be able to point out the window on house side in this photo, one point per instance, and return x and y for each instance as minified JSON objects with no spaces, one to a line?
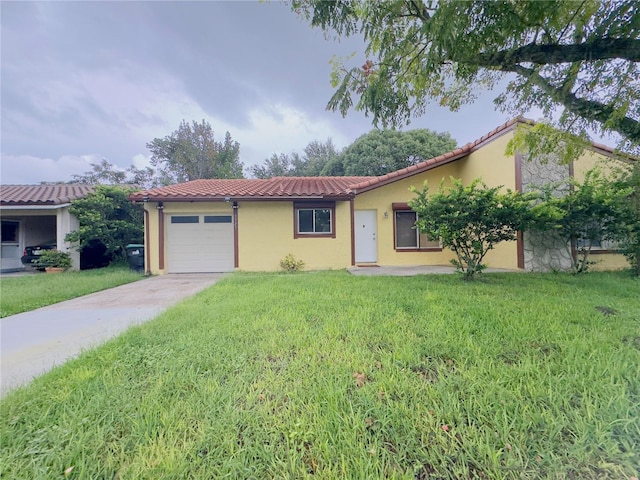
{"x":314,"y":220}
{"x":407,"y":235}
{"x":597,"y":245}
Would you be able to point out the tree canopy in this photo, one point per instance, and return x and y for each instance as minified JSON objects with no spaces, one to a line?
{"x":383,"y":151}
{"x":192,"y":153}
{"x":311,"y":163}
{"x":375,"y":153}
{"x":109,"y":218}
{"x":580,"y":59}
{"x":106,"y":173}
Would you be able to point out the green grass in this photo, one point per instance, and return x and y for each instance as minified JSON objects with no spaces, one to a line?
{"x":25,"y":293}
{"x":327,"y":375}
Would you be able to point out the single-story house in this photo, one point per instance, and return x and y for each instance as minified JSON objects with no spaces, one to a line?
{"x":337,"y":222}
{"x":34,"y":215}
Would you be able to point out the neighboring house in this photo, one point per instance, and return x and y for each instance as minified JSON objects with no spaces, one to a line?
{"x":337,"y":222}
{"x":37,"y":214}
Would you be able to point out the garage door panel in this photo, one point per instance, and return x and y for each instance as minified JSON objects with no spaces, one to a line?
{"x":206,"y":246}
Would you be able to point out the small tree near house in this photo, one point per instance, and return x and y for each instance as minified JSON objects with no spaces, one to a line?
{"x":106,"y":216}
{"x":587,"y":214}
{"x":471,"y":220}
{"x":629,"y":179}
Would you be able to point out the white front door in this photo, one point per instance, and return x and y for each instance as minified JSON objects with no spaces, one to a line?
{"x":365,"y":232}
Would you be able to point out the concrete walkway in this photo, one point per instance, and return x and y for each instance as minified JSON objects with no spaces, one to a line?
{"x":34,"y":342}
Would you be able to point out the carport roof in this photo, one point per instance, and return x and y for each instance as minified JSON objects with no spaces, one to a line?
{"x":272,"y":188}
{"x":17,"y":195}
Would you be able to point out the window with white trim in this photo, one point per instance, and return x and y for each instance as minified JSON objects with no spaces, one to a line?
{"x":408,"y":237}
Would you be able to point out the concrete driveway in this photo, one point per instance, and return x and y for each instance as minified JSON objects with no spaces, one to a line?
{"x":34,"y":342}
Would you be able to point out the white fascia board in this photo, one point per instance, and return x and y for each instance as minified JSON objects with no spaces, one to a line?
{"x":34,"y":207}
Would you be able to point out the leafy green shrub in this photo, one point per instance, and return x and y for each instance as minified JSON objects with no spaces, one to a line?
{"x":588,"y":213}
{"x":471,"y":220}
{"x":291,"y":264}
{"x":629,"y":179}
{"x":108,"y":218}
{"x":54,"y":258}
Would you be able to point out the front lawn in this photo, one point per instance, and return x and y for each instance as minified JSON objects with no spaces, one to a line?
{"x":327,"y":375}
{"x":25,"y":293}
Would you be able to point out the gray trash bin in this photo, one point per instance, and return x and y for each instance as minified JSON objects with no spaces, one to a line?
{"x":135,"y":253}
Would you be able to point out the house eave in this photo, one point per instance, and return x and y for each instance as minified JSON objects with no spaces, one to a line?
{"x":242,"y":198}
{"x":409,"y":174}
{"x":31,"y":206}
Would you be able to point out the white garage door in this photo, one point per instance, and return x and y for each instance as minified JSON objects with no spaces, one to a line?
{"x":199,"y":243}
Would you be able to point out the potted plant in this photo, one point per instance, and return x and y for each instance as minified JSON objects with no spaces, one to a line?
{"x":53,"y":261}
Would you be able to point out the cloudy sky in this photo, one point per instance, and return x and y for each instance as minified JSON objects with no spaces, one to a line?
{"x":83,"y":81}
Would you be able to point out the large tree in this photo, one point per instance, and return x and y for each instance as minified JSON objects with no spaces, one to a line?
{"x":192,"y":153}
{"x":101,"y":173}
{"x":274,"y":166}
{"x":383,"y":151}
{"x":311,"y":163}
{"x":106,"y":173}
{"x":375,"y":153}
{"x":579,"y":58}
{"x":316,"y":156}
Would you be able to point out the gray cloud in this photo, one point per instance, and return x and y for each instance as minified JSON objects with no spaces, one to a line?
{"x":84,"y":80}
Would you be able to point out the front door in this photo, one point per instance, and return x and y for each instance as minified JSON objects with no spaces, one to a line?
{"x":365,"y":236}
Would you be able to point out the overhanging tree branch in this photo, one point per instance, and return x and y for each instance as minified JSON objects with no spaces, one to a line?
{"x":588,"y":109}
{"x":597,"y":49}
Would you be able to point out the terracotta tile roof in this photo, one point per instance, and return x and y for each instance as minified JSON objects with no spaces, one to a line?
{"x":277,"y":187}
{"x":439,"y":160}
{"x":42,"y":194}
{"x":301,"y":187}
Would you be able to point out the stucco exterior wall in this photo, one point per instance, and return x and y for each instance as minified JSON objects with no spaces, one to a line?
{"x":381,"y":200}
{"x":490,"y":163}
{"x":151,"y":239}
{"x":591,"y":159}
{"x":266,"y":236}
{"x":607,"y":261}
{"x":265,"y":229}
{"x":65,"y":223}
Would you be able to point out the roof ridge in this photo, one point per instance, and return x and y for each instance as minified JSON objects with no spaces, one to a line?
{"x":448,"y":156}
